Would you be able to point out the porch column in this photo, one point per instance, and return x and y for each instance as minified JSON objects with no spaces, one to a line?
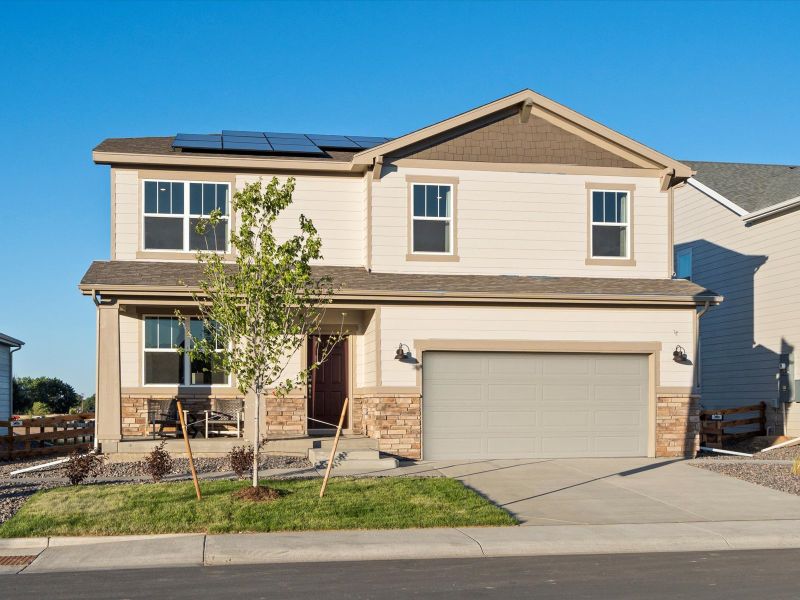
{"x":107,"y":404}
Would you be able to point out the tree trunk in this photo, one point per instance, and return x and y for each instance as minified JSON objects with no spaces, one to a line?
{"x":257,"y":437}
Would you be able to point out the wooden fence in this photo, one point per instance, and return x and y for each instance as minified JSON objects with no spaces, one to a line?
{"x":58,"y":434}
{"x":715,"y":422}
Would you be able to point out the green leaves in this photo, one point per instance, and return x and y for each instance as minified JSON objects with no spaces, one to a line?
{"x":264,"y":306}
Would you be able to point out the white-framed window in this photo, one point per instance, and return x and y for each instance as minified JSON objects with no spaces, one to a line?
{"x":162,"y":362}
{"x":683,"y":264}
{"x":610,"y":227}
{"x":171,"y":210}
{"x":432,"y":218}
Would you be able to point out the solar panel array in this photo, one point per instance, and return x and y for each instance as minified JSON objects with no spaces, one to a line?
{"x":269,"y":142}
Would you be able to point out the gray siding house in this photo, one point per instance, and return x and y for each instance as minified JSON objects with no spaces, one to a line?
{"x":8,"y":345}
{"x":736,"y":231}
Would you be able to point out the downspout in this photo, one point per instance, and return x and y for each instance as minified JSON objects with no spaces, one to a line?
{"x":697,"y":362}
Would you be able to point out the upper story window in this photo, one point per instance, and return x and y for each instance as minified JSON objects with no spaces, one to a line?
{"x":165,"y":365}
{"x":610,"y":225}
{"x":172,"y":210}
{"x":683,"y":264}
{"x":432,"y":219}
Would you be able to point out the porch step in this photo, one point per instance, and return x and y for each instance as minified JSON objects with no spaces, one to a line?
{"x":301,"y":445}
{"x":351,"y":460}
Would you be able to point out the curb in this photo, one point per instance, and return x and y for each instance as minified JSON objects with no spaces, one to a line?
{"x":170,"y":550}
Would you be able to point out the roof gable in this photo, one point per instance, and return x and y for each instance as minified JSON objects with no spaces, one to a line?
{"x":509,"y":139}
{"x":529,"y":105}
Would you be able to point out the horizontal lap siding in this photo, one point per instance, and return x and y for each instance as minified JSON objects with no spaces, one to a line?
{"x":336,"y":206}
{"x":5,"y":383}
{"x":126,"y":214}
{"x":519,"y":223}
{"x":130,"y":328}
{"x":407,"y":324}
{"x":756,"y":269}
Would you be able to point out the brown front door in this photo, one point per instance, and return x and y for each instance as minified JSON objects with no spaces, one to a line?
{"x":327,"y":385}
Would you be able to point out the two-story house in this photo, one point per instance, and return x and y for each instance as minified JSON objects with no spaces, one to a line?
{"x":505,"y":278}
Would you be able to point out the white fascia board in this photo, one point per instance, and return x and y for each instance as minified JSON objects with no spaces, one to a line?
{"x":717,"y":196}
{"x":771,"y":210}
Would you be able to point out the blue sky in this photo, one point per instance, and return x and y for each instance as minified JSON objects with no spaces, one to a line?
{"x":711,"y":81}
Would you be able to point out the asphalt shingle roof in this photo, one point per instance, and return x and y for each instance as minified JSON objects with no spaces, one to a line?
{"x":153,"y":275}
{"x":163,"y":146}
{"x":751,"y":186}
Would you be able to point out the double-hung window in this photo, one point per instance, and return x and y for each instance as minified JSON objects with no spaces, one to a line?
{"x":610,"y":226}
{"x":172,"y":210}
{"x":165,"y":364}
{"x":432,"y":219}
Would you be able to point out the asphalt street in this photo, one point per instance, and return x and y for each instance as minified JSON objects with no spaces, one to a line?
{"x":701,"y":575}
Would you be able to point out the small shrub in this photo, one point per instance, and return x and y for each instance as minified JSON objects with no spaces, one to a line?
{"x":241,"y":460}
{"x":158,"y":463}
{"x":39,"y":409}
{"x":79,"y":467}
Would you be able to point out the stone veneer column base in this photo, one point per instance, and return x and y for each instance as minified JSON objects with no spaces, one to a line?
{"x":395,"y":420}
{"x":677,"y":425}
{"x":285,"y":416}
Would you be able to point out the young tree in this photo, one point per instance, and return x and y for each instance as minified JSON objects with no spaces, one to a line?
{"x":258,"y":312}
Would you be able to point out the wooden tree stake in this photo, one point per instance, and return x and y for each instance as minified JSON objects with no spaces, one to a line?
{"x":333,"y":450}
{"x":189,"y":450}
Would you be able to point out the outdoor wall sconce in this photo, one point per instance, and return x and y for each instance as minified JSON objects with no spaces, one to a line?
{"x":400,"y":354}
{"x":679,"y":355}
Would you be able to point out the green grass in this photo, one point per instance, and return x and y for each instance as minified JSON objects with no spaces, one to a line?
{"x":376,"y":503}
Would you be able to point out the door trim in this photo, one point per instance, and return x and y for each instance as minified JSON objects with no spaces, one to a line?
{"x":650,"y":349}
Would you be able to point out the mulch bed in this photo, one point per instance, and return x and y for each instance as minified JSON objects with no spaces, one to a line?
{"x":778,"y":477}
{"x":258,"y":494}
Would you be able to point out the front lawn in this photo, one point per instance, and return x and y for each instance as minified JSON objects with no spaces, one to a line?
{"x":376,"y":503}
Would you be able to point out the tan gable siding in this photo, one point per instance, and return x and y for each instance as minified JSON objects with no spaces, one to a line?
{"x":335,"y":205}
{"x":510,"y":141}
{"x":756,"y":269}
{"x":407,"y":324}
{"x":519,"y":223}
{"x":126,"y":214}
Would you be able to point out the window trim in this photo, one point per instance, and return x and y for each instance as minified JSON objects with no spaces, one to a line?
{"x":186,"y":358}
{"x":411,"y":255}
{"x":621,"y":261}
{"x":185,"y":178}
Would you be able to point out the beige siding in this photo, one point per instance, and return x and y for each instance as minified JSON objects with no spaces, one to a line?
{"x":755,"y":267}
{"x":126,"y":214}
{"x":407,"y":324}
{"x":366,"y":354}
{"x":336,"y":206}
{"x":519,"y":223}
{"x":130,"y":336}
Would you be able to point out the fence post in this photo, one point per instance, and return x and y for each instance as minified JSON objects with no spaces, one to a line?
{"x":763,"y":415}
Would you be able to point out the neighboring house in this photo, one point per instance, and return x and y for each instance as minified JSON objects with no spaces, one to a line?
{"x":8,"y":345}
{"x":519,"y":256}
{"x":736,"y":231}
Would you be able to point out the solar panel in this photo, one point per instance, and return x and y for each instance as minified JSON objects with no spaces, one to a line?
{"x":253,"y":145}
{"x":333,"y":141}
{"x":274,"y":142}
{"x":295,"y":148}
{"x":255,"y":134}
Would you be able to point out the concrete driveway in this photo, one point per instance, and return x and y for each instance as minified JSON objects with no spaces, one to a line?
{"x":596,"y":491}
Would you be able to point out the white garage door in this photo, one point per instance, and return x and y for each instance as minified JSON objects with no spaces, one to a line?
{"x":526,"y":405}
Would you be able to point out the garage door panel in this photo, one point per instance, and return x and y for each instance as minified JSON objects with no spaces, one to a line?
{"x":533,"y":405}
{"x":511,"y":420}
{"x":564,"y":393}
{"x":502,"y":393}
